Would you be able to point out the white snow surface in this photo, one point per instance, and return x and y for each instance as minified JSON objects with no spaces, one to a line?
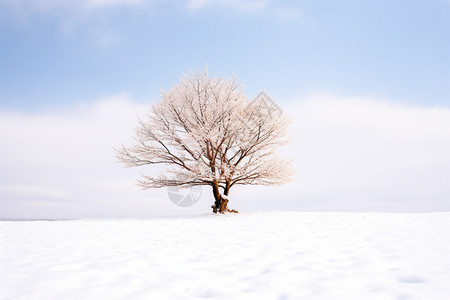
{"x":270,"y":255}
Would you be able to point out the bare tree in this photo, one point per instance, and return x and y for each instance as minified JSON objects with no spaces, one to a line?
{"x":206,"y":130}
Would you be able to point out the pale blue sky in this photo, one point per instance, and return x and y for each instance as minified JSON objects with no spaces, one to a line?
{"x":53,"y":53}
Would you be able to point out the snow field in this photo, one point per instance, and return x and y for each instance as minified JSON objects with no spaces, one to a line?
{"x":273,"y":255}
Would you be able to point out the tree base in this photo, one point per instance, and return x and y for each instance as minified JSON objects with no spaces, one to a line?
{"x":223,"y":207}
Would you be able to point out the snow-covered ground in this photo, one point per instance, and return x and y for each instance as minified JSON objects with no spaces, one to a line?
{"x":276,"y":255}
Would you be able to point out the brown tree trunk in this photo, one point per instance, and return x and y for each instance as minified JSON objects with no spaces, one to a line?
{"x":220,"y":203}
{"x":227,"y":188}
{"x":217,"y":198}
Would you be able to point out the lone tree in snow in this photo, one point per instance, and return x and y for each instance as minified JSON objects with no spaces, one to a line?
{"x":207,"y":133}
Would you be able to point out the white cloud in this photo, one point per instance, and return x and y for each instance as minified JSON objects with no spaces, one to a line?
{"x":365,"y":154}
{"x":29,"y":191}
{"x":62,"y":164}
{"x":274,"y":8}
{"x":350,"y":154}
{"x":60,"y":6}
{"x":92,"y":17}
{"x":246,"y":5}
{"x":79,"y":10}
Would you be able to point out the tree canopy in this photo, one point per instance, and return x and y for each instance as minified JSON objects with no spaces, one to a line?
{"x":206,"y":130}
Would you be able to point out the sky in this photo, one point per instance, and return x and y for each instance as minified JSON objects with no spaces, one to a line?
{"x":366,"y":84}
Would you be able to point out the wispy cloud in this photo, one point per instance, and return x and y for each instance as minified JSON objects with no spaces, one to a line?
{"x":61,"y":6}
{"x":248,"y":6}
{"x":33,"y":192}
{"x":101,"y":22}
{"x":368,"y":154}
{"x":62,"y":164}
{"x":72,"y":8}
{"x":245,"y":5}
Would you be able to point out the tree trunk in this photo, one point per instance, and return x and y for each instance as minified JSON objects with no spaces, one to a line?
{"x":217,"y":197}
{"x":220,"y":202}
{"x":226,"y":190}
